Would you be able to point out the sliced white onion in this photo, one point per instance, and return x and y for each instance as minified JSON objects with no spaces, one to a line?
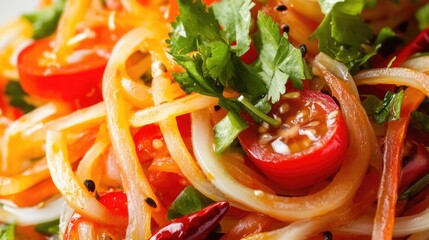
{"x":420,"y":64}
{"x":338,"y":69}
{"x":49,"y":211}
{"x":397,"y":76}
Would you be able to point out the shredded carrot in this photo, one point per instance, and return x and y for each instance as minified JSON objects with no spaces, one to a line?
{"x":39,"y":193}
{"x":388,"y":192}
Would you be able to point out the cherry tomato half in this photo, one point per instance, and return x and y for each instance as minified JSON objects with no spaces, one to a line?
{"x":79,"y":79}
{"x":306,"y":148}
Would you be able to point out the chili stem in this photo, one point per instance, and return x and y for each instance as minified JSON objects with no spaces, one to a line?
{"x":271,"y":121}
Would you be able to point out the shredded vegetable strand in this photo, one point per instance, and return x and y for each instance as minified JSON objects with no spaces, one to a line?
{"x":91,"y":159}
{"x":74,"y":12}
{"x":173,"y":108}
{"x":38,"y":170}
{"x":11,"y":157}
{"x":74,"y":122}
{"x":388,"y":192}
{"x":135,"y":182}
{"x":396,"y":76}
{"x":177,"y":147}
{"x":71,"y":188}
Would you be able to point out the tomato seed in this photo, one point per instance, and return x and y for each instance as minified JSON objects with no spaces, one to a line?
{"x":291,"y":95}
{"x":333,"y":114}
{"x":284,"y":108}
{"x":312,"y":124}
{"x":265,"y":138}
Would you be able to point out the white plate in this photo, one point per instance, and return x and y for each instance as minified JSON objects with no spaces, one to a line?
{"x":9,"y":9}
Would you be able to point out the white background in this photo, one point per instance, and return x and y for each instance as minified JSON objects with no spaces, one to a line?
{"x":9,"y":9}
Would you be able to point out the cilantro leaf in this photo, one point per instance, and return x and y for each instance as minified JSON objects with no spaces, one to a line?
{"x":45,"y":21}
{"x":278,"y":58}
{"x":235,"y":18}
{"x":422,"y":16}
{"x":190,"y":200}
{"x":383,"y":111}
{"x":7,"y":232}
{"x":17,"y":96}
{"x":342,"y":33}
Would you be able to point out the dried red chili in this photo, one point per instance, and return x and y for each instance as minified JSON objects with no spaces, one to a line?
{"x":197,"y":225}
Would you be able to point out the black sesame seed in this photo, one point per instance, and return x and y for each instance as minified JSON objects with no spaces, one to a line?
{"x":281,"y":8}
{"x":150,"y":202}
{"x":285,"y":28}
{"x":217,"y":108}
{"x":403,"y":26}
{"x":327,"y":236}
{"x":89,"y":184}
{"x":303,"y":49}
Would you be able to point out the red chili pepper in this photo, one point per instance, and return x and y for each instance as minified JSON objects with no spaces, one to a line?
{"x":196,"y":226}
{"x":419,"y":44}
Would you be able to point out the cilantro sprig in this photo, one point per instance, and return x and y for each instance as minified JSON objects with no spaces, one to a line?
{"x":343,"y":34}
{"x":45,"y":20}
{"x":208,"y":42}
{"x":385,"y":110}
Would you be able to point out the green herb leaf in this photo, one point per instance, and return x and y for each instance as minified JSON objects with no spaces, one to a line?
{"x":190,"y":200}
{"x":45,"y":21}
{"x":227,"y":130}
{"x":235,"y":18}
{"x":342,"y":33}
{"x":48,"y":228}
{"x":278,"y":58}
{"x":7,"y":232}
{"x":17,"y":96}
{"x":384,"y":111}
{"x":422,"y":16}
{"x":420,"y":121}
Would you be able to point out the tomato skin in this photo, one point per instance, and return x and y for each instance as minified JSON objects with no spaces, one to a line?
{"x":144,"y":137}
{"x":77,"y":82}
{"x":309,"y":166}
{"x":114,"y":201}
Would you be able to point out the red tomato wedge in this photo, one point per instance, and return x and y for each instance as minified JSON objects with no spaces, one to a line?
{"x":78,"y":80}
{"x":306,"y":148}
{"x":114,"y":201}
{"x":148,"y":136}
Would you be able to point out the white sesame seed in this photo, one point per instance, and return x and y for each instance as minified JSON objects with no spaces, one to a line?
{"x":284,"y":108}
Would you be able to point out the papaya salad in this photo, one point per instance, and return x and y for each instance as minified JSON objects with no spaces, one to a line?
{"x":225,"y":119}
